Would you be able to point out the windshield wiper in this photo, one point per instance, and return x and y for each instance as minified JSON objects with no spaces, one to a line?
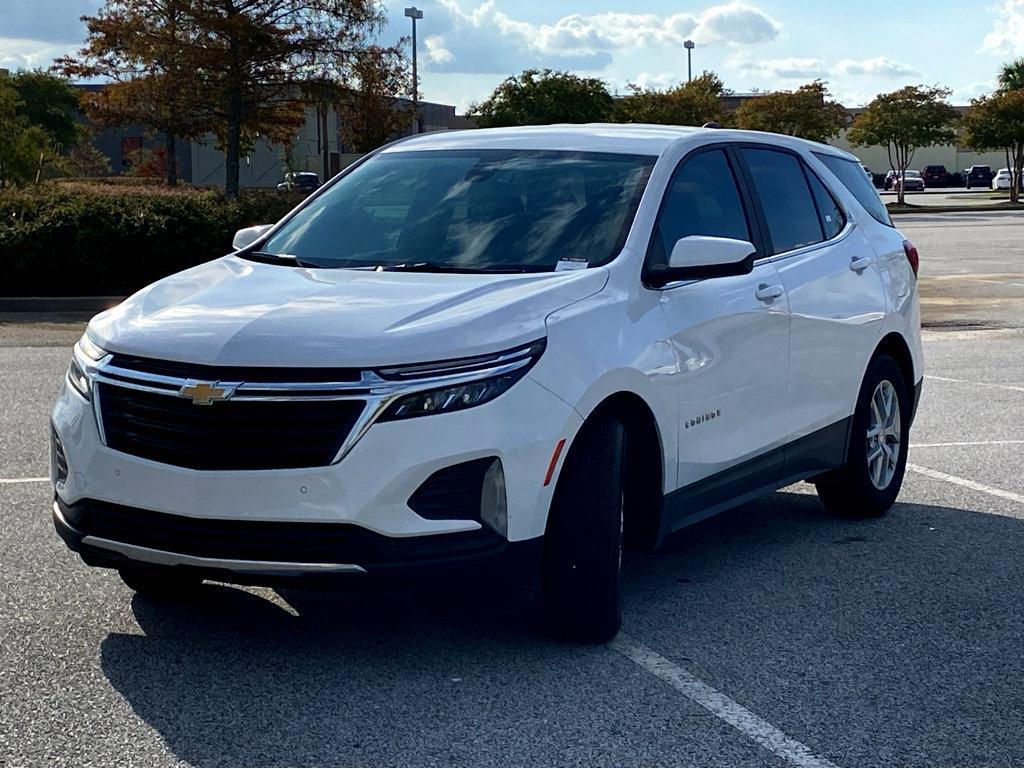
{"x":269,"y":258}
{"x":436,"y":267}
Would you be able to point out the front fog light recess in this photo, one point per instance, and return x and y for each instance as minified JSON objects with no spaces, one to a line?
{"x":493,"y":506}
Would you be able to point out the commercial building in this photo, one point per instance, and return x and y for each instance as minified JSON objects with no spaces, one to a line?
{"x":200,"y":162}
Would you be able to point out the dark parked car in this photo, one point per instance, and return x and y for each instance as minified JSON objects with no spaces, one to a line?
{"x":299,"y":181}
{"x":979,"y":176}
{"x":937,"y":176}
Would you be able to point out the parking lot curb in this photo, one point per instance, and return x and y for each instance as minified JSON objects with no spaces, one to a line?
{"x":953,"y":209}
{"x":58,"y":303}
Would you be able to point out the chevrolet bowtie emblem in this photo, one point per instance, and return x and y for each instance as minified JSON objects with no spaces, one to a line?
{"x":205,"y":393}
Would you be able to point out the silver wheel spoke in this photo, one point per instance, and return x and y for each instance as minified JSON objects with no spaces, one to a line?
{"x":883,"y":435}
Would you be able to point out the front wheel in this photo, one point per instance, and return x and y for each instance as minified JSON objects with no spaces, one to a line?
{"x":869,"y":481}
{"x":580,"y":577}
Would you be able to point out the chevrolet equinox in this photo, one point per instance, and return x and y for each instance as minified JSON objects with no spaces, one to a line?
{"x":499,"y":357}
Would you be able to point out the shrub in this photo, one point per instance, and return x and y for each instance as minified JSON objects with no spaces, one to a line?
{"x":96,"y":239}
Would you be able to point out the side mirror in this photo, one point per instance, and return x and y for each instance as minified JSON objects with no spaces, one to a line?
{"x":246,"y":237}
{"x":697,"y":257}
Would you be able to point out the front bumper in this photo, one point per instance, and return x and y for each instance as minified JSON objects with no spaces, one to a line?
{"x":290,"y":554}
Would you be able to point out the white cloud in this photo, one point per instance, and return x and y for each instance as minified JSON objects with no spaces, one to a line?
{"x":660,"y":80}
{"x":1007,"y":34}
{"x":19,"y":53}
{"x":485,"y":39}
{"x":736,"y":23}
{"x":436,"y":52}
{"x":792,"y":68}
{"x":880,"y":66}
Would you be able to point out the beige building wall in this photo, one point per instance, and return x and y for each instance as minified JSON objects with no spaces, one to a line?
{"x":948,"y":155}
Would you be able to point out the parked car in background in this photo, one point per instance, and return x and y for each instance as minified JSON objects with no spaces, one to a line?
{"x":299,"y":181}
{"x":867,"y":173}
{"x":496,"y":358}
{"x":937,"y":176}
{"x":1001,"y":181}
{"x":889,"y":177}
{"x":911,"y":182}
{"x":979,"y":176}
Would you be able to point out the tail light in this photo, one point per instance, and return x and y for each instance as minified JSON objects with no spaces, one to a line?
{"x":911,"y":251}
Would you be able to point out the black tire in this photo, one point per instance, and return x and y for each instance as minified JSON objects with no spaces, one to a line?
{"x":159,"y":581}
{"x":580,"y":578}
{"x":850,"y":491}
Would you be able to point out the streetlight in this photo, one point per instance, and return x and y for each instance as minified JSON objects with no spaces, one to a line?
{"x":688,"y":45}
{"x":415,"y":13}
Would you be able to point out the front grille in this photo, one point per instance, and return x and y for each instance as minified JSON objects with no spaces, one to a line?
{"x":267,"y":540}
{"x":229,"y":435}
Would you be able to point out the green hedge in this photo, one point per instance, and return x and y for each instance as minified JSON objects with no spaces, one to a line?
{"x":96,"y":239}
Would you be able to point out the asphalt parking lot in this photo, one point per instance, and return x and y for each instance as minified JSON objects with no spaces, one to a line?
{"x":771,"y":635}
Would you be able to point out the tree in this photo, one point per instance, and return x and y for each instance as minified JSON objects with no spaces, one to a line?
{"x":694,"y":103}
{"x":254,"y":55}
{"x":911,"y":117}
{"x":997,"y":122}
{"x":807,"y":112}
{"x":86,"y":161}
{"x":1011,"y":76}
{"x":539,"y":97}
{"x":22,"y":145}
{"x":147,"y":50}
{"x":371,"y":112}
{"x":49,"y":102}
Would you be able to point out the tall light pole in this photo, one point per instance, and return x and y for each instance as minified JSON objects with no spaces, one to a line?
{"x":415,"y":13}
{"x":688,"y":45}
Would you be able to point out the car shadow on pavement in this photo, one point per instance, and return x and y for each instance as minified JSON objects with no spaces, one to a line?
{"x":776,"y":600}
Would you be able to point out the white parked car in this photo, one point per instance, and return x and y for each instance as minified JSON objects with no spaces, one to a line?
{"x":1001,"y":181}
{"x":500,"y":356}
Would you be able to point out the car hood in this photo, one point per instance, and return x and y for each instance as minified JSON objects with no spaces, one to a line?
{"x":237,"y":312}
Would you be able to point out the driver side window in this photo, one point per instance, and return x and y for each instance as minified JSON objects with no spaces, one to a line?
{"x":702,"y":199}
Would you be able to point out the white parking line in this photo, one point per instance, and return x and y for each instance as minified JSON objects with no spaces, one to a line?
{"x":963,"y":443}
{"x":979,"y":384}
{"x":967,"y":483}
{"x":720,"y":705}
{"x":22,"y":480}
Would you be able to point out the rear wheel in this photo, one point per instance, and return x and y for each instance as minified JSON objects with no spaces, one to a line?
{"x":159,"y":581}
{"x":869,"y":481}
{"x":580,"y":578}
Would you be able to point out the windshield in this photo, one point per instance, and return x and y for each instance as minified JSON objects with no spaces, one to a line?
{"x":911,"y":173}
{"x":470,"y":211}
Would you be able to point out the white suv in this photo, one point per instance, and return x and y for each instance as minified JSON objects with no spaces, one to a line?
{"x":498,"y":356}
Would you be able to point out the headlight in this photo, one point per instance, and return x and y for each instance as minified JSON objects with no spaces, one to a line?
{"x":86,"y":352}
{"x":497,"y":373}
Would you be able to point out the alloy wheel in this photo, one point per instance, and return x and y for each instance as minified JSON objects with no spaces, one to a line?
{"x":883,"y":438}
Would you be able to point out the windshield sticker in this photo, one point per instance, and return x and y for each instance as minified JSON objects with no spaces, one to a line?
{"x":572,"y":263}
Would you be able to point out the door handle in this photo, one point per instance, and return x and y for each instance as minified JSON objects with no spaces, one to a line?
{"x":859,"y":263}
{"x":766,"y":293}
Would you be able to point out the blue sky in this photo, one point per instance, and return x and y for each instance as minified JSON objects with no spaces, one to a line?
{"x":468,"y":46}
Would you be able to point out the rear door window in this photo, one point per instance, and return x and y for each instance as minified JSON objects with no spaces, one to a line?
{"x":786,"y":200}
{"x":832,"y":218}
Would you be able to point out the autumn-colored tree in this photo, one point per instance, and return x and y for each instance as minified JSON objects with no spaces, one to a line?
{"x":903,"y":120}
{"x":807,"y":112}
{"x":86,"y":161}
{"x":146,"y":50}
{"x":997,"y":123}
{"x":372,"y":112}
{"x":254,"y":56}
{"x":540,"y":97}
{"x":694,"y":103}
